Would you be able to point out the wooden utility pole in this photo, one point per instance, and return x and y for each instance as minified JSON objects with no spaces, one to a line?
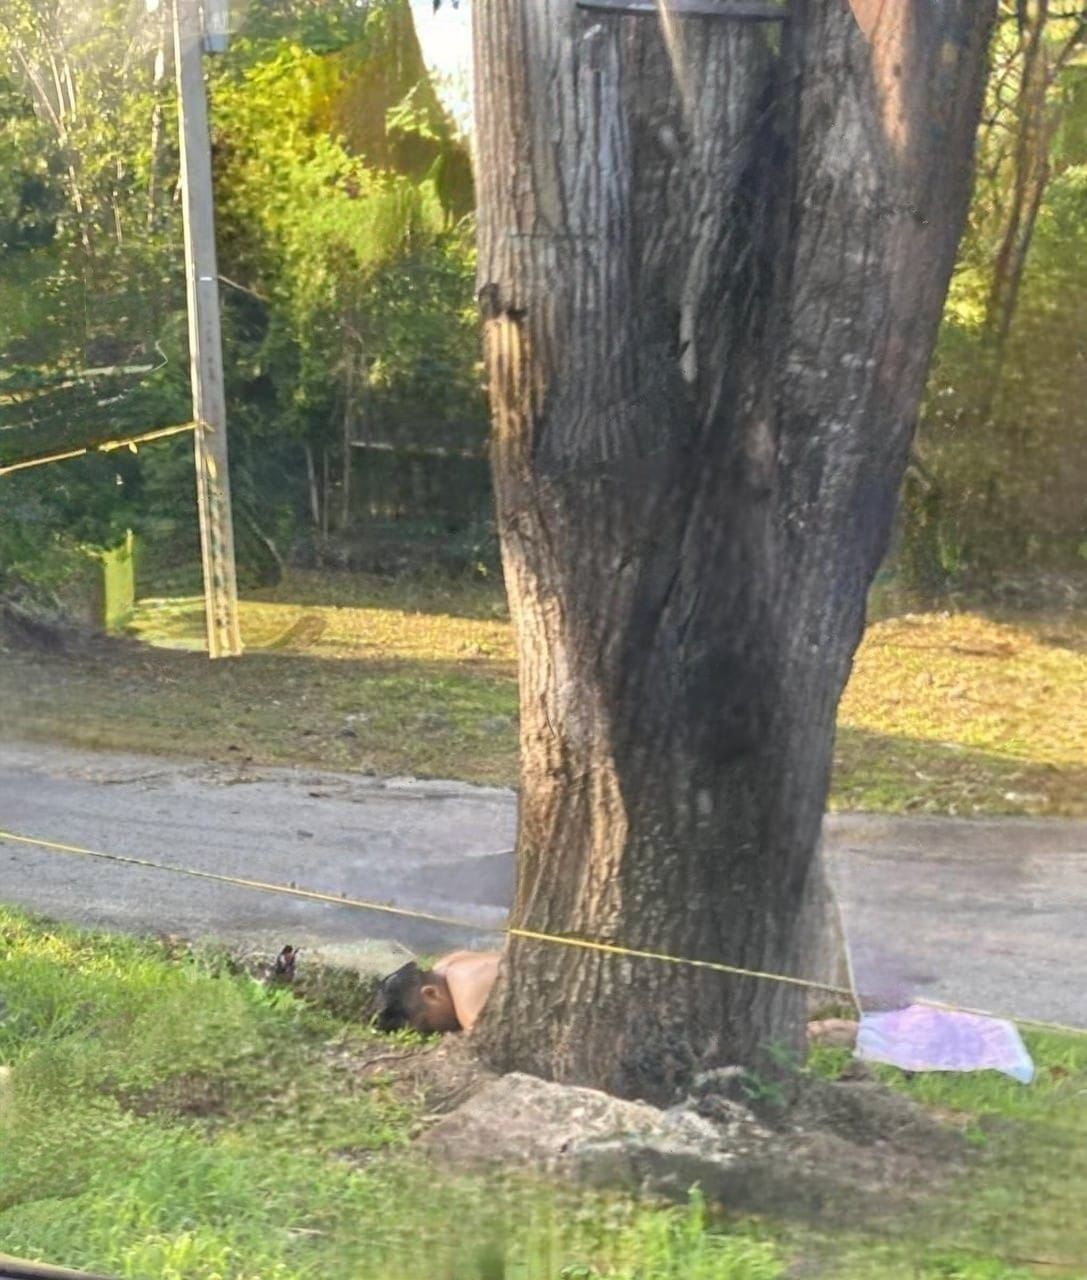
{"x":205,"y":338}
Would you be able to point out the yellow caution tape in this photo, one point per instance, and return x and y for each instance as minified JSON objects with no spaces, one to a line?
{"x":532,"y":935}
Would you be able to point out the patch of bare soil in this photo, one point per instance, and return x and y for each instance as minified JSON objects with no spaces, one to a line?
{"x":193,"y":1096}
{"x":444,"y":1073}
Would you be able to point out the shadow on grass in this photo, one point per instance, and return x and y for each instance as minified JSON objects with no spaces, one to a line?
{"x":455,"y":719}
{"x":449,"y":717}
{"x":483,"y":599}
{"x":890,"y":774}
{"x":1053,"y":628}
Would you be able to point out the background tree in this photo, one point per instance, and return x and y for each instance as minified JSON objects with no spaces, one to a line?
{"x":88,"y":287}
{"x":345,"y":242}
{"x":1001,"y":477}
{"x":713,"y":255}
{"x":1030,"y":100}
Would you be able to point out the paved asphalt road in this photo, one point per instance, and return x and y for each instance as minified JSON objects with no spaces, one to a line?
{"x":985,"y":913}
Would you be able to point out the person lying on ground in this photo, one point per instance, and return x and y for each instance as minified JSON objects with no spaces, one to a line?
{"x":833,"y":1033}
{"x":451,"y":995}
{"x":447,"y":997}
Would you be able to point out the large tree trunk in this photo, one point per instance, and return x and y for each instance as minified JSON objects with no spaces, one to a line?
{"x":712,"y":261}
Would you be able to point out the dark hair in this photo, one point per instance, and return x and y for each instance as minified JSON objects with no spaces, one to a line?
{"x":396,"y":999}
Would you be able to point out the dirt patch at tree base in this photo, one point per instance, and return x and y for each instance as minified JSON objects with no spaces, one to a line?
{"x":443,"y":1075}
{"x":851,"y":1150}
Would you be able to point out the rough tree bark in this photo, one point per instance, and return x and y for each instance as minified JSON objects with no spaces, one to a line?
{"x":713,"y":256}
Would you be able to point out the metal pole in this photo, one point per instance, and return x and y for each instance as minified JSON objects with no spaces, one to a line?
{"x":205,"y":338}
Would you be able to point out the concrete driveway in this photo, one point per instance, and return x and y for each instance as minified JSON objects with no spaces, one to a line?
{"x":986,"y":913}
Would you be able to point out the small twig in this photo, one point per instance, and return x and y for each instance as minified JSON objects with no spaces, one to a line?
{"x":241,"y":288}
{"x":388,"y":1057}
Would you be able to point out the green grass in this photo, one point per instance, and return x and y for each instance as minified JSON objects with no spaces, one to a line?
{"x":963,"y":714}
{"x":407,"y":680}
{"x":944,"y":713}
{"x":168,"y":1118}
{"x":1032,"y":1140}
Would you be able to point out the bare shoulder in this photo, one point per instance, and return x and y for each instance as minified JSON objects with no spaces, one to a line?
{"x":470,"y":975}
{"x":459,"y":959}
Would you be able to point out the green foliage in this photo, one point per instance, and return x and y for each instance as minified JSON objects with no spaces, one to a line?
{"x":1002,"y":475}
{"x":86,"y":75}
{"x":344,"y":201}
{"x":28,"y":195}
{"x":311,"y":227}
{"x":367,"y":291}
{"x":325,"y":26}
{"x":89,"y":279}
{"x":348,"y":268}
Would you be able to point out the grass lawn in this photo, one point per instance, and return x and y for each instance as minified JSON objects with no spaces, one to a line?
{"x":945,"y":713}
{"x":963,"y":714}
{"x":165,"y":1118}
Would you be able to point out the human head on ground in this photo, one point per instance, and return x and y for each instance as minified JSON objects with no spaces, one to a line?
{"x":416,"y":998}
{"x":449,"y":996}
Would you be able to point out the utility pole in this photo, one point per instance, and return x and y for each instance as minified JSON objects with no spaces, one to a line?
{"x":194,"y":21}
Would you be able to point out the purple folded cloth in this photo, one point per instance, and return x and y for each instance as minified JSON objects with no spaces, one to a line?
{"x":921,"y":1038}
